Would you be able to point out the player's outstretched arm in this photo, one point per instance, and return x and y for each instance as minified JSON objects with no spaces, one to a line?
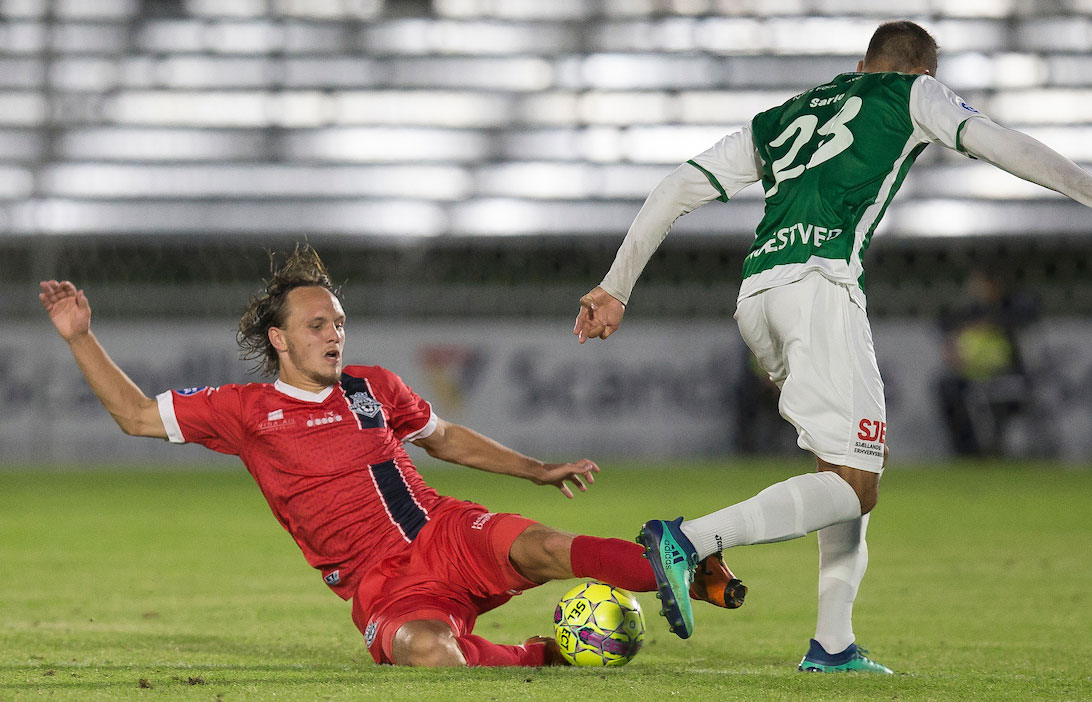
{"x":736,"y":163}
{"x":68,"y":309}
{"x":1027,"y":158}
{"x":455,"y":443}
{"x":600,"y":315}
{"x":680,"y":192}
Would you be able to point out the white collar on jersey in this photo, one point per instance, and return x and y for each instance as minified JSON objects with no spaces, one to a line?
{"x":305,"y":395}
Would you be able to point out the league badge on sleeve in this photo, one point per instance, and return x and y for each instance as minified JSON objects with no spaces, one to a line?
{"x":192,"y":391}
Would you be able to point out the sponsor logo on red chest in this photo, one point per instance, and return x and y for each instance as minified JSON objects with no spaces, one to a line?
{"x":275,"y":420}
{"x":328,"y":417}
{"x":872,"y":430}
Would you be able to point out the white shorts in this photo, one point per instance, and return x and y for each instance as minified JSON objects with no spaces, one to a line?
{"x":816,"y":344}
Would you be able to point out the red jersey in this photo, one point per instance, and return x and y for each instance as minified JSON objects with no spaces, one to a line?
{"x":330,"y":464}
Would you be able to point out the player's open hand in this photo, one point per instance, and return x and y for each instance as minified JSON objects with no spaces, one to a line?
{"x":579,"y":473}
{"x":67,"y":307}
{"x":600,"y":315}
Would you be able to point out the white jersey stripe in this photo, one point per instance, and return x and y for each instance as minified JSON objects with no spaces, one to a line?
{"x":165,"y":401}
{"x":425,"y":431}
{"x":872,"y":214}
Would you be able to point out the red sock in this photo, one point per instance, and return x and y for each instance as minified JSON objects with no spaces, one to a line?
{"x":479,"y":652}
{"x":620,"y":563}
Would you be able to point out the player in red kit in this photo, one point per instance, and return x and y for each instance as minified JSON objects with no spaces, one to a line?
{"x":324,"y":442}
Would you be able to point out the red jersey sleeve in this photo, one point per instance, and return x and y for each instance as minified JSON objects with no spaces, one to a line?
{"x":409,"y":416}
{"x":212,"y":417}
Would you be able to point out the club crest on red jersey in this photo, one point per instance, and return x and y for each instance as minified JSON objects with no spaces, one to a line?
{"x":365,"y":404}
{"x":362,"y":402}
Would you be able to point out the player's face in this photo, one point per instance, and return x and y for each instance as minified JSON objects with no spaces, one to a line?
{"x":311,"y":340}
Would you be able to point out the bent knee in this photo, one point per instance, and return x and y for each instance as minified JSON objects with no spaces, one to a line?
{"x":865,"y":484}
{"x":867,"y":489}
{"x":868,"y":497}
{"x":426,"y":644}
{"x":541,"y":554}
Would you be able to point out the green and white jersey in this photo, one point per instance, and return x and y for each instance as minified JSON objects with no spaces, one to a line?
{"x":830,"y":160}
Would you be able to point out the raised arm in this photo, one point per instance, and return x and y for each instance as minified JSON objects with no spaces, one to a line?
{"x":682,"y":191}
{"x":455,"y":443}
{"x":68,"y":309}
{"x":716,"y":174}
{"x":1027,"y":158}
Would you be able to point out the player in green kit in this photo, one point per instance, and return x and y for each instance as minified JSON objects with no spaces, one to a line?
{"x":830,"y":161}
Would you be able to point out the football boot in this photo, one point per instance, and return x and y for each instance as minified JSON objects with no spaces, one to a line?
{"x":851,"y":660}
{"x":714,"y":583}
{"x":673,"y":558}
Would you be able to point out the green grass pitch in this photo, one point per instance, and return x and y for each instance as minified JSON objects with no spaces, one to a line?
{"x":180,"y":585}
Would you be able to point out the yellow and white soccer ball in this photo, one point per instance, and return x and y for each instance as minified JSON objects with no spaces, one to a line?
{"x":596,"y":624}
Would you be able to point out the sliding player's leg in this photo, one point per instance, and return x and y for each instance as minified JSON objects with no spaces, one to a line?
{"x":426,"y":643}
{"x":542,"y":553}
{"x":420,"y":608}
{"x":432,"y":643}
{"x":418,"y":637}
{"x":435,"y":631}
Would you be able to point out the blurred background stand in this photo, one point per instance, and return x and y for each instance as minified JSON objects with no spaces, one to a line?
{"x":468,"y":167}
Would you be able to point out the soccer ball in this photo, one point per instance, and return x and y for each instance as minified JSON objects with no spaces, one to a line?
{"x":596,"y":624}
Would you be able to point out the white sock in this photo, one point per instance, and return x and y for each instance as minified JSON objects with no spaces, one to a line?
{"x":843,"y":558}
{"x":786,"y":510}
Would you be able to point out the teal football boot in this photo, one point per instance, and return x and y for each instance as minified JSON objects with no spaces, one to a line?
{"x":851,"y":660}
{"x":673,"y":559}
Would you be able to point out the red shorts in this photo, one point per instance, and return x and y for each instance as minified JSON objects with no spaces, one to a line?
{"x":454,"y":570}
